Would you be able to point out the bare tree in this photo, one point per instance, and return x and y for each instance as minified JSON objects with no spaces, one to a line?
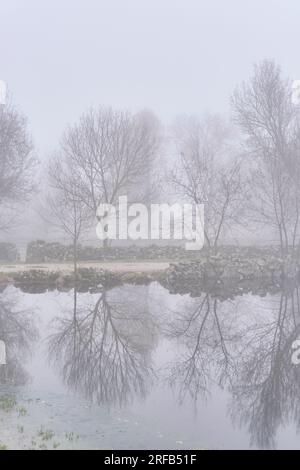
{"x":209,"y":173}
{"x":264,"y":110}
{"x":66,"y":208}
{"x":111,"y":153}
{"x":16,"y":162}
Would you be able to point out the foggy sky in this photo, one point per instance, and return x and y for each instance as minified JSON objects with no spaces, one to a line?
{"x":172,"y":56}
{"x":60,"y":57}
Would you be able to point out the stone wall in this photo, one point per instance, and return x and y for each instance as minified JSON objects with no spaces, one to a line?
{"x":8,"y":252}
{"x":244,"y":267}
{"x":41,"y":252}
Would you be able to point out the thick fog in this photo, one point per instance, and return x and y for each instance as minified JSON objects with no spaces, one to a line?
{"x":173,"y":57}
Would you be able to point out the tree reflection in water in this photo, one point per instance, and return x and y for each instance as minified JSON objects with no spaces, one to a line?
{"x":105,"y":351}
{"x":248,"y":353}
{"x":207,"y":338}
{"x":17,"y":330}
{"x":266,"y":392}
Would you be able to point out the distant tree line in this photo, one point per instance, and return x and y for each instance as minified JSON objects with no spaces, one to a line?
{"x":245,"y":170}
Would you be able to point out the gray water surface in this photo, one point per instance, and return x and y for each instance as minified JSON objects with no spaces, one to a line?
{"x":137,"y":367}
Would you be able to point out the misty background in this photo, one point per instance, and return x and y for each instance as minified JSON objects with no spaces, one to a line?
{"x":173,"y":57}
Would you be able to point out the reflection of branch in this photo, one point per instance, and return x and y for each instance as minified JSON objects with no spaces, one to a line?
{"x":267,"y":389}
{"x":227,"y":358}
{"x":17,"y":331}
{"x":202,"y":333}
{"x":103,"y":356}
{"x":252,"y":360}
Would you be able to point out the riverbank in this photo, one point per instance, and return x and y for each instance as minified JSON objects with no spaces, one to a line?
{"x":35,"y":277}
{"x":231,"y":272}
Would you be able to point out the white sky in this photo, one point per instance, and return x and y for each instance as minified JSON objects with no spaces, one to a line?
{"x":172,"y":56}
{"x":59,"y":57}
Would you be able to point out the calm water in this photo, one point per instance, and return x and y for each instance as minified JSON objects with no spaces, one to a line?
{"x":139,"y":367}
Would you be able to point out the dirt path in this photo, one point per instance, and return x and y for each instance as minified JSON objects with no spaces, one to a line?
{"x":113,"y":266}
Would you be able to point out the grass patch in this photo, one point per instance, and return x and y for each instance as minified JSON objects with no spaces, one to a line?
{"x":7,"y":402}
{"x":71,"y":436}
{"x":45,"y":434}
{"x":22,"y":411}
